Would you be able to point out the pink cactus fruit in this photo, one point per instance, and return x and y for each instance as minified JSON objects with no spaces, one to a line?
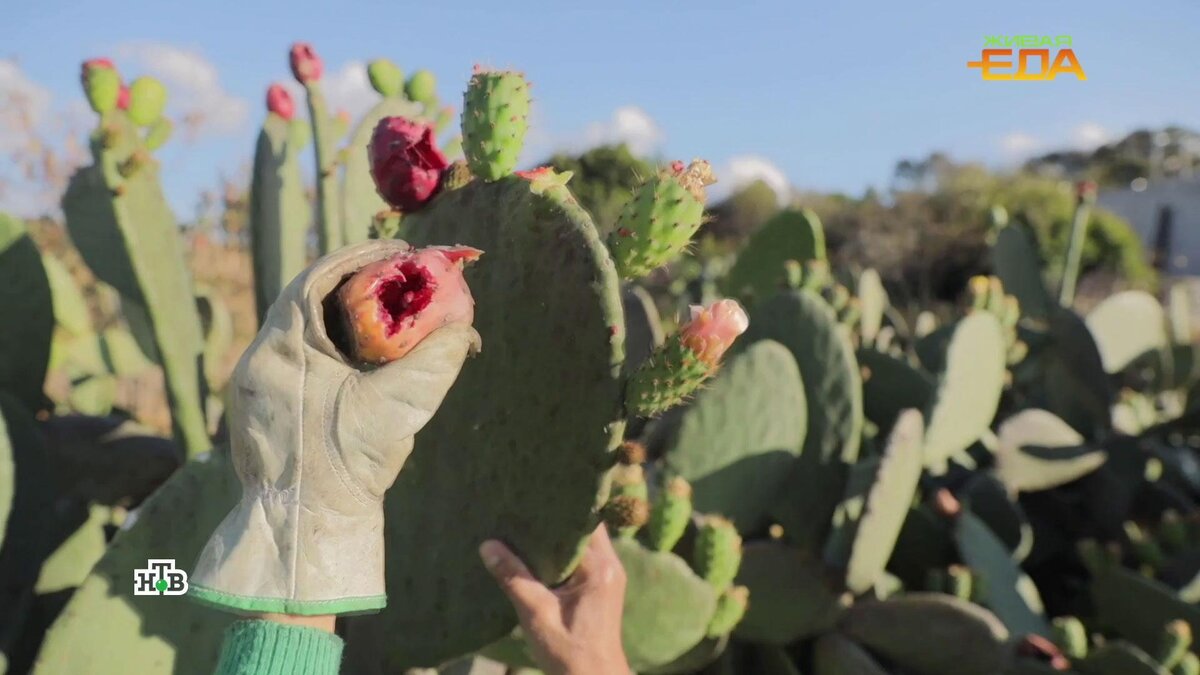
{"x":306,"y":65}
{"x":123,"y":97}
{"x":713,"y":329}
{"x":390,"y":306}
{"x":405,"y":162}
{"x":279,"y":101}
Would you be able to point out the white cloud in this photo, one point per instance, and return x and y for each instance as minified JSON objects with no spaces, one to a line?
{"x":629,"y":124}
{"x":22,"y":102}
{"x":742,"y":170}
{"x":1019,"y":145}
{"x":1089,"y":136}
{"x":194,"y":86}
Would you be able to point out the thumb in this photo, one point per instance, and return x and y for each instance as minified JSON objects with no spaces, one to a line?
{"x":529,"y":596}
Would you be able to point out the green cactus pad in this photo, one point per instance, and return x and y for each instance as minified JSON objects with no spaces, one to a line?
{"x":835,"y":654}
{"x":693,"y":660}
{"x":127,"y":234}
{"x":655,"y":226}
{"x":1007,"y":591}
{"x":280,"y":214}
{"x":989,"y":499}
{"x":886,"y":504}
{"x":1017,"y":262}
{"x":1120,"y":658}
{"x":385,"y":77}
{"x":27,"y":304}
{"x":1039,"y":451}
{"x":717,"y":552}
{"x":106,"y":629}
{"x":665,"y":380}
{"x":494,"y":120}
{"x":102,"y":86}
{"x":788,"y":235}
{"x":147,"y":98}
{"x":667,"y":607}
{"x":670,"y":515}
{"x":1137,"y":608}
{"x":890,"y":385}
{"x":1128,"y":326}
{"x":925,"y":543}
{"x":738,"y":441}
{"x":70,"y":309}
{"x":1071,"y":636}
{"x":806,"y":325}
{"x":643,"y":327}
{"x":549,"y":314}
{"x":931,"y":634}
{"x":69,"y":564}
{"x":731,"y":607}
{"x":1071,"y":378}
{"x":874,"y":301}
{"x":360,"y":200}
{"x":790,"y":598}
{"x":217,"y":323}
{"x":968,"y":391}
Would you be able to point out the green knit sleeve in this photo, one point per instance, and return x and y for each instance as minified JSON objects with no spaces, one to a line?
{"x":260,"y":647}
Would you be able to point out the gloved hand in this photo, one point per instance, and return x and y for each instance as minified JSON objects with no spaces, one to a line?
{"x":316,"y":440}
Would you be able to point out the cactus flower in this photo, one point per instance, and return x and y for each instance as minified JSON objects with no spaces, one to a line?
{"x":279,"y":101}
{"x":306,"y":65}
{"x":405,"y":163}
{"x":389,"y":306}
{"x":713,"y":329}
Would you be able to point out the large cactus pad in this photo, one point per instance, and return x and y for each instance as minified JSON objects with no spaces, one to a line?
{"x":520,"y":447}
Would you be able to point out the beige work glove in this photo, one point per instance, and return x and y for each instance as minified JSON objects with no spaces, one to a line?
{"x":316,"y":441}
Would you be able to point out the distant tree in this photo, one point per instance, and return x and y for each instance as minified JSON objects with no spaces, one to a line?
{"x":604,"y":180}
{"x":742,"y":212}
{"x":1144,"y":153}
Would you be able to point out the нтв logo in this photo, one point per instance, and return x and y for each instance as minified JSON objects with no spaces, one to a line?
{"x":160,"y":577}
{"x":1033,"y":58}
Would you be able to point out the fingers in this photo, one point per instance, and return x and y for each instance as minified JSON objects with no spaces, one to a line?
{"x":529,"y":596}
{"x":600,"y":564}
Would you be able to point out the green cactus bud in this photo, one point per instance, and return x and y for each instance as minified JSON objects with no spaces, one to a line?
{"x":494,"y":122}
{"x":1174,"y":643}
{"x":793,"y":274}
{"x":158,"y":133}
{"x":628,"y":481}
{"x":657,"y":224}
{"x":718,"y":552}
{"x":731,"y":607}
{"x":147,"y":99}
{"x":421,"y":86}
{"x":1070,"y":636}
{"x":979,"y":288}
{"x":839,"y":297}
{"x":816,"y":274}
{"x":631,"y":453}
{"x":959,"y":582}
{"x":1145,"y":549}
{"x":996,"y":297}
{"x":1172,"y":531}
{"x":101,"y":85}
{"x":670,"y":514}
{"x":625,"y":515}
{"x":1188,"y":665}
{"x":386,"y":77}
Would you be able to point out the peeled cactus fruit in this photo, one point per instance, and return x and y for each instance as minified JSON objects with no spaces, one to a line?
{"x":147,"y":98}
{"x":659,"y":221}
{"x":279,"y":101}
{"x":101,"y":83}
{"x":405,"y":162}
{"x":670,"y":514}
{"x":306,"y":65}
{"x":494,"y":122}
{"x":731,"y":607}
{"x":386,"y":77}
{"x":389,"y":306}
{"x":718,"y":552}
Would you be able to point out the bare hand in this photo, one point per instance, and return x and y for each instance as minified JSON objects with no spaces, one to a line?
{"x":574,"y":629}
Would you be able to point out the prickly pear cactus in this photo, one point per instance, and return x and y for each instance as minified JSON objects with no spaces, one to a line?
{"x":789,"y":235}
{"x":1017,"y":262}
{"x":25,"y":299}
{"x":121,"y":223}
{"x":494,"y":121}
{"x":361,"y":202}
{"x":1128,"y":326}
{"x":1006,"y":590}
{"x":738,"y":441}
{"x":1038,"y":451}
{"x":791,"y":597}
{"x":874,"y":302}
{"x":280,"y":214}
{"x":549,"y":313}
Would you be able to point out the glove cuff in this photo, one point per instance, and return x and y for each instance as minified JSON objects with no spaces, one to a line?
{"x":269,"y":555}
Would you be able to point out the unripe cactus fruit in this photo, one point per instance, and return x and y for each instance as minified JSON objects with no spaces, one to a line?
{"x":670,"y":514}
{"x":279,"y":101}
{"x":494,"y":122}
{"x":628,"y":481}
{"x":158,"y":133}
{"x":123,"y":98}
{"x":686,"y":359}
{"x":731,"y":607}
{"x":101,"y":83}
{"x":625,"y":514}
{"x":421,"y":86}
{"x":1175,"y":642}
{"x":388,"y":307}
{"x":659,"y":221}
{"x":386,"y":77}
{"x":147,"y":99}
{"x":631,"y":453}
{"x":306,"y":65}
{"x":1070,"y":636}
{"x":405,"y":162}
{"x":1188,"y":665}
{"x":979,"y":287}
{"x":718,"y":552}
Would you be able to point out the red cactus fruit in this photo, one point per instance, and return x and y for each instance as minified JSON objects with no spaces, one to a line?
{"x":123,"y":97}
{"x":1085,"y":189}
{"x":390,"y":306}
{"x":279,"y":101}
{"x":405,"y":163}
{"x":306,"y":65}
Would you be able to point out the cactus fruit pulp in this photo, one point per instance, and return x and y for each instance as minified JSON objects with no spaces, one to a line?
{"x":389,"y":306}
{"x":405,"y":162}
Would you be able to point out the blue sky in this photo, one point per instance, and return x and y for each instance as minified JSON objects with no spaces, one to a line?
{"x":826,"y":95}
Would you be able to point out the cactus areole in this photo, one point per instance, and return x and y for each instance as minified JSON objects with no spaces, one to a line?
{"x":306,"y":65}
{"x":405,"y":162}
{"x":388,"y":307}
